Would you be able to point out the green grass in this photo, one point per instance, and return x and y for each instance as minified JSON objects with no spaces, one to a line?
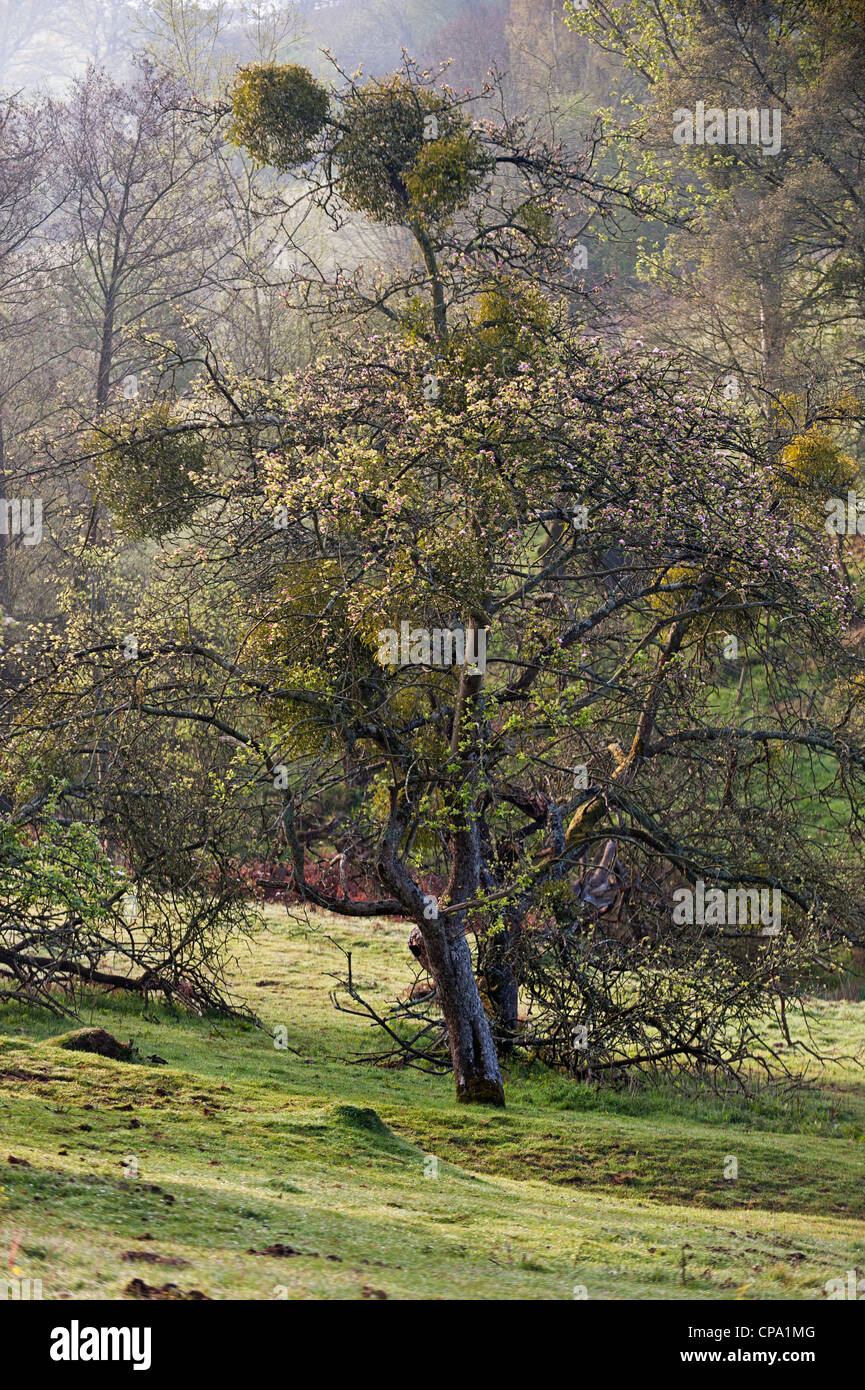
{"x":241,"y":1146}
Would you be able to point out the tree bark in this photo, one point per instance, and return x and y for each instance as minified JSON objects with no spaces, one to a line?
{"x":497,"y":952}
{"x":473,"y":1054}
{"x":439,"y":306}
{"x":497,"y":970}
{"x":5,"y":587}
{"x":106,"y":351}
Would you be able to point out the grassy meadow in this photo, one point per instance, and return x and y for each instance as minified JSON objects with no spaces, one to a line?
{"x":241,"y":1170}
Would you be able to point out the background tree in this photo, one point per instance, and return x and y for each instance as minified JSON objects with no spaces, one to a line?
{"x":29,"y":199}
{"x":763,"y":279}
{"x":137,"y":193}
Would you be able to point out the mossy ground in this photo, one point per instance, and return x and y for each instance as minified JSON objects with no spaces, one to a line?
{"x":239,"y":1146}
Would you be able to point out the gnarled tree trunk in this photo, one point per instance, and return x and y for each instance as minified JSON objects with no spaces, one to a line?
{"x":447,"y":956}
{"x":473,"y":1053}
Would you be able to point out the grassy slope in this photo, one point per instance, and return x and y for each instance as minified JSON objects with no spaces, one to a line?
{"x":241,"y":1146}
